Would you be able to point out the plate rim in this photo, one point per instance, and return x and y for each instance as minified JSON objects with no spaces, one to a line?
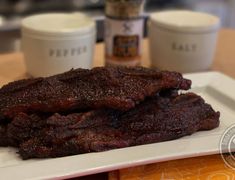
{"x":59,"y":171}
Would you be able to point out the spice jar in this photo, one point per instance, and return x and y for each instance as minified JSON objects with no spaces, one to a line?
{"x":124,"y":32}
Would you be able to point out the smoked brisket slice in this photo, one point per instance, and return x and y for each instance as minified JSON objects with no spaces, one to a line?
{"x":118,"y":88}
{"x":155,"y":120}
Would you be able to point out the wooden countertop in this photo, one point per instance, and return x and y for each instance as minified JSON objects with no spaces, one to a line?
{"x":12,"y":65}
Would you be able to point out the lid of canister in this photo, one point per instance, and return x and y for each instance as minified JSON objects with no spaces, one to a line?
{"x":185,"y":21}
{"x":124,"y":9}
{"x":58,"y":24}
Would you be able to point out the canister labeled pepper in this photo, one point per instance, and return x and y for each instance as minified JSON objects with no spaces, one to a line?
{"x":124,"y":32}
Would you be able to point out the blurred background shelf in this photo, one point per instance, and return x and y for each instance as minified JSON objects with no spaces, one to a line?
{"x":12,"y":11}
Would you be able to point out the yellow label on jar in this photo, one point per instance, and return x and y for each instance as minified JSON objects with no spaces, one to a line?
{"x":123,"y":39}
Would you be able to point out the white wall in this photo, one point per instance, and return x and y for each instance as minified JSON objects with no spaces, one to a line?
{"x":232,"y":13}
{"x":225,"y":9}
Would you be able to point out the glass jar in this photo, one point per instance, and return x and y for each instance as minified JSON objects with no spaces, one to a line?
{"x":124,"y":32}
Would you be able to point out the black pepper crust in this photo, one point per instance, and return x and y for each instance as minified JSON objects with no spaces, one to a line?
{"x":119,"y":88}
{"x":156,"y":119}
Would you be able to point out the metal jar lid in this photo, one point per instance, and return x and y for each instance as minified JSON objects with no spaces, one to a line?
{"x":123,"y":9}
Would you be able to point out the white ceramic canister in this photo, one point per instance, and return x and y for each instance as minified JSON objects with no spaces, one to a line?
{"x":183,"y":41}
{"x":57,"y":42}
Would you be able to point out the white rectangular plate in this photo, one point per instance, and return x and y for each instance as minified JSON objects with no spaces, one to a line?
{"x":216,"y":88}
